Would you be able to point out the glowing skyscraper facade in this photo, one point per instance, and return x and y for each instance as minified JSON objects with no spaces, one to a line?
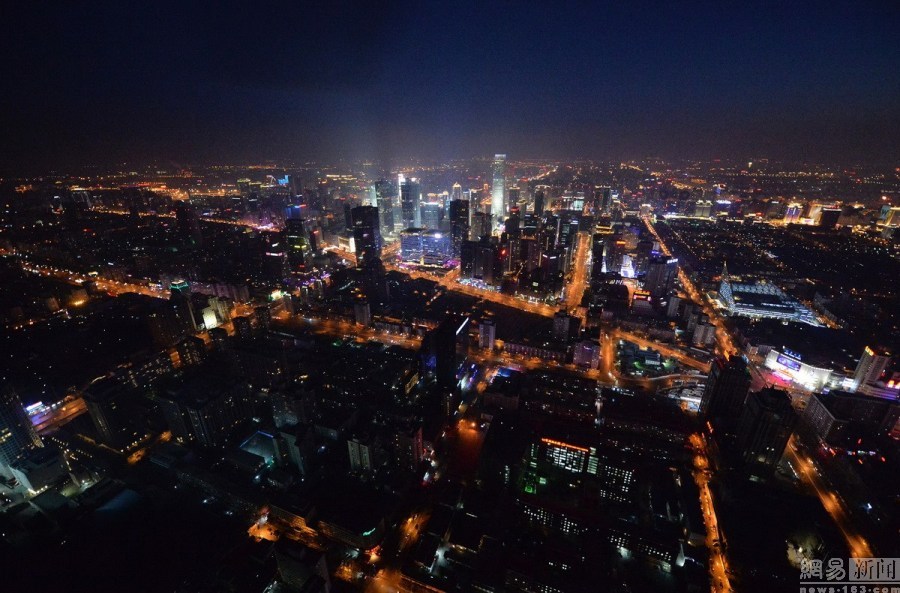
{"x":498,"y":190}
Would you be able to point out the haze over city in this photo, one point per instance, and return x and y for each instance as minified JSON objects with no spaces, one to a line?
{"x":177,"y":82}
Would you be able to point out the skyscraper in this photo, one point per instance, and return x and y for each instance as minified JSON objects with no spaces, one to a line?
{"x":764,"y":428}
{"x":456,"y":193}
{"x":871,"y":364}
{"x":187,"y":224}
{"x":182,"y":305}
{"x":110,"y":402}
{"x":540,"y":197}
{"x":661,"y":273}
{"x":481,"y":226}
{"x":366,"y":233}
{"x":459,"y":223}
{"x":297,"y":243}
{"x":498,"y":189}
{"x":515,"y":196}
{"x":17,"y":435}
{"x":487,"y":333}
{"x":598,"y":245}
{"x":384,"y":201}
{"x":431,"y":215}
{"x":726,"y":388}
{"x":409,"y":201}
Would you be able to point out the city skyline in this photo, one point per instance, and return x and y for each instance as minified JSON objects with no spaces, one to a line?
{"x":497,"y":296}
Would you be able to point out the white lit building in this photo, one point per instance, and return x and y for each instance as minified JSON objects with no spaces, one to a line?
{"x":791,"y":366}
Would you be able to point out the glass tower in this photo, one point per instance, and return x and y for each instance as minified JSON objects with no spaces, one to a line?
{"x":498,"y":189}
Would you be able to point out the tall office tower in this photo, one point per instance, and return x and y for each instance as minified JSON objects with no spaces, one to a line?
{"x":362,"y":312}
{"x":431,"y":215}
{"x":274,"y":266}
{"x":871,"y":364}
{"x":605,"y":199}
{"x":297,"y":244}
{"x":110,"y":402}
{"x":384,"y":201}
{"x":539,"y":197}
{"x":474,"y":201}
{"x":468,"y":252}
{"x":409,"y":201}
{"x":182,"y":305}
{"x":487,"y":262}
{"x":366,"y":233}
{"x":459,"y":223}
{"x":764,"y":428}
{"x":726,"y":388}
{"x":513,"y":221}
{"x":456,"y":193}
{"x":661,"y":273}
{"x":568,"y":231}
{"x":641,"y":260}
{"x":439,"y":359}
{"x":550,"y":231}
{"x":487,"y":334}
{"x":498,"y":190}
{"x":614,"y":253}
{"x":515,"y":196}
{"x":481,"y":226}
{"x":17,"y":435}
{"x":187,"y":225}
{"x":530,"y":252}
{"x":438,"y":353}
{"x":598,"y":245}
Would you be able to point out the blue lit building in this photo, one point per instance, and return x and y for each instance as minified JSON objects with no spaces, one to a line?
{"x":425,"y":247}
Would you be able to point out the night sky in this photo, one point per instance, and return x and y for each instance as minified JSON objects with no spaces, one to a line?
{"x":108,"y":82}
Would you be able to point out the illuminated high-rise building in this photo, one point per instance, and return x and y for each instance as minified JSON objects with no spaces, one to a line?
{"x":182,"y":305}
{"x":366,"y":233}
{"x":661,"y":273}
{"x":870,"y":367}
{"x":297,"y":243}
{"x":17,"y":435}
{"x":539,"y":202}
{"x":409,"y":201}
{"x":498,"y":189}
{"x":459,"y":223}
{"x":481,"y":226}
{"x":431,"y":215}
{"x":487,"y":333}
{"x":456,"y":193}
{"x":384,"y":201}
{"x":425,"y":247}
{"x":515,"y":196}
